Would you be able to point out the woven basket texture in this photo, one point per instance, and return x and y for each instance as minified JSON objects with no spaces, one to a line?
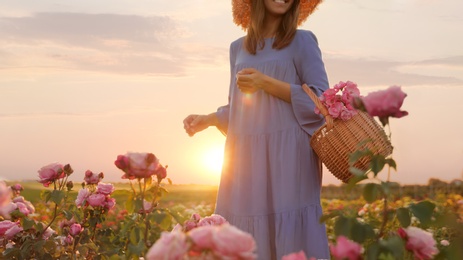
{"x":337,"y":139}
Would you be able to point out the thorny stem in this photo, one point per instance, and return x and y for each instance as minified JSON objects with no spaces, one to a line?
{"x":385,"y":217}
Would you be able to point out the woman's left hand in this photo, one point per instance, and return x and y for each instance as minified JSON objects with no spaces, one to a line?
{"x":250,"y":80}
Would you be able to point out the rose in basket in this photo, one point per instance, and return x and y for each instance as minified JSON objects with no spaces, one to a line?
{"x":338,"y":100}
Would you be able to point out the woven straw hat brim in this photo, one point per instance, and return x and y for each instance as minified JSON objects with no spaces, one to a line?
{"x":241,"y":10}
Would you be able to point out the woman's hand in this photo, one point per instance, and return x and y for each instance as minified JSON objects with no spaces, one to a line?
{"x":197,"y":123}
{"x":250,"y":80}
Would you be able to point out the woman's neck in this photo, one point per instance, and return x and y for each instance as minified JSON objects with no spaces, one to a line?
{"x":271,"y":27}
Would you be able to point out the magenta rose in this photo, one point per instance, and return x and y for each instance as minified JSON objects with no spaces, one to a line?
{"x":96,"y":200}
{"x":82,"y":197}
{"x":171,"y":245}
{"x":420,"y":242}
{"x":50,"y":173}
{"x":137,"y":165}
{"x":385,"y":103}
{"x":346,"y":249}
{"x":105,"y":188}
{"x":75,"y":229}
{"x":92,"y":178}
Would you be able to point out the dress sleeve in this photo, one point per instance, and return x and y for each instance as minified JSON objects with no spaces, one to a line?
{"x":223,"y":112}
{"x":311,"y":71}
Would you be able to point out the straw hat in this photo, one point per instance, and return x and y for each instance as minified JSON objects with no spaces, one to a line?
{"x":242,"y":11}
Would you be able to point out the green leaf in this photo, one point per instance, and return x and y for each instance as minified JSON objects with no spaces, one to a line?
{"x":342,"y":226}
{"x":391,"y":163}
{"x":393,"y":245}
{"x":423,"y":211}
{"x":331,"y":215}
{"x":361,"y":232}
{"x":129,"y":204}
{"x":372,"y":251}
{"x":134,"y":235}
{"x":68,"y":214}
{"x":169,"y":181}
{"x":148,"y":181}
{"x":371,"y":192}
{"x":57,"y":196}
{"x":45,"y":195}
{"x":404,"y":217}
{"x":355,"y":156}
{"x":27,"y":223}
{"x":377,"y":163}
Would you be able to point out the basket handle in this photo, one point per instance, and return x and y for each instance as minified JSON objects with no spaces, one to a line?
{"x":319,"y":105}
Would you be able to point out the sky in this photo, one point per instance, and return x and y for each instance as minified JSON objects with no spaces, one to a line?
{"x":83,"y":81}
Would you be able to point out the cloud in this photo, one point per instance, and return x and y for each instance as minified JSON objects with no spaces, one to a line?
{"x":112,"y":43}
{"x":367,"y":72}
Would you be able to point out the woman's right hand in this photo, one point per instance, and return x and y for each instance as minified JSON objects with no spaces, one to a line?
{"x":197,"y":123}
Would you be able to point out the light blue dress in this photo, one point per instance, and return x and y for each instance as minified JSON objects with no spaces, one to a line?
{"x":271,"y":178}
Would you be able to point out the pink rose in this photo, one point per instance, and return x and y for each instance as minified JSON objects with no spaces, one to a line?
{"x":203,"y":237}
{"x":75,"y":229}
{"x":6,"y":210}
{"x":346,"y":248}
{"x":147,"y":206}
{"x":335,"y":109}
{"x":420,"y":242}
{"x":82,"y":197}
{"x":385,"y":103}
{"x":12,"y":231}
{"x":137,"y":165}
{"x":212,"y":220}
{"x":50,"y":173}
{"x":295,"y":256}
{"x":195,"y":217}
{"x":5,"y":225}
{"x":29,"y":208}
{"x":68,"y":240}
{"x":96,"y":200}
{"x":92,"y":178}
{"x":17,"y":187}
{"x":161,"y":172}
{"x":110,"y":203}
{"x":5,"y":194}
{"x":48,"y":233}
{"x":189,"y":225}
{"x":105,"y":188}
{"x":171,"y":245}
{"x":230,"y":241}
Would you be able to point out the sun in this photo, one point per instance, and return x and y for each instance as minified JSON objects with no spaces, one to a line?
{"x":212,"y":159}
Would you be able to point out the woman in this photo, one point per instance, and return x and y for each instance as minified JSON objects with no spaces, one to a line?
{"x":271,"y":178}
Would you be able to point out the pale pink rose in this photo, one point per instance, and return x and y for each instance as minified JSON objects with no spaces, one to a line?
{"x":29,"y":207}
{"x":75,"y":229}
{"x":82,"y":197}
{"x":110,"y":203}
{"x":6,"y":210}
{"x":203,"y":237}
{"x":171,"y":245}
{"x":12,"y":231}
{"x":420,"y":242}
{"x":105,"y":188}
{"x":92,"y":178}
{"x":147,"y":206}
{"x":346,"y":249}
{"x":346,"y":114}
{"x":230,"y":241}
{"x":137,"y":165}
{"x":23,"y":208}
{"x":385,"y":103}
{"x":66,"y":223}
{"x":5,"y":194}
{"x":195,"y":217}
{"x":445,"y":242}
{"x":295,"y":256}
{"x":50,"y":173}
{"x":48,"y":233}
{"x":161,"y":172}
{"x":96,"y":200}
{"x":212,"y":220}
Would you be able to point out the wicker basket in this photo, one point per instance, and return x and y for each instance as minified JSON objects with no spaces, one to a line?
{"x":336,"y":139}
